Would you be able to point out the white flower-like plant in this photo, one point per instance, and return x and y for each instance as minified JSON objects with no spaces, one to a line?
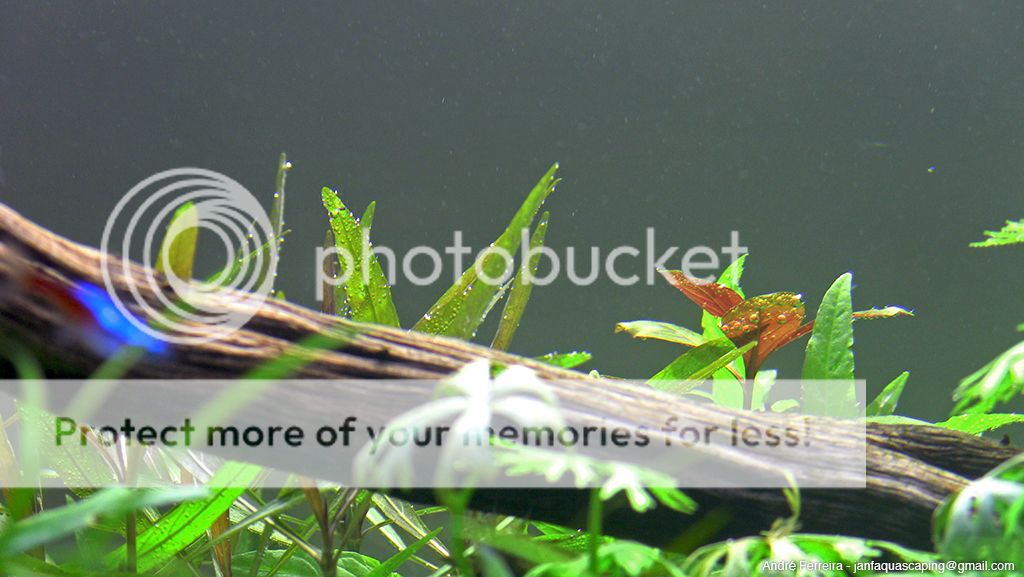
{"x":465,"y":404}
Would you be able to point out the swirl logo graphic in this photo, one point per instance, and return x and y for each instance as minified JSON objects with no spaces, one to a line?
{"x":191,"y":312}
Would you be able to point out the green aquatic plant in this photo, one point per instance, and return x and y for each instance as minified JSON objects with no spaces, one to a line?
{"x":459,"y":312}
{"x":1002,"y":379}
{"x":365,"y":295}
{"x":1012,"y":233}
{"x":464,"y":306}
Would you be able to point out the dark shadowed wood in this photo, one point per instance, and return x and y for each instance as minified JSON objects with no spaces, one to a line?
{"x":911,"y":469}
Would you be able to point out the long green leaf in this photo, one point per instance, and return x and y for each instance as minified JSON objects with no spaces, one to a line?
{"x":829,"y":355}
{"x":662,"y":332}
{"x":404,"y":516}
{"x":277,"y":207}
{"x":886,"y":401}
{"x":176,"y":530}
{"x":980,"y":423}
{"x":276,"y":221}
{"x":389,"y":565}
{"x":698,"y":364}
{"x":178,"y":249}
{"x":56,"y":523}
{"x":522,"y":286}
{"x":366,"y":295}
{"x":463,"y":306}
{"x":566,"y":360}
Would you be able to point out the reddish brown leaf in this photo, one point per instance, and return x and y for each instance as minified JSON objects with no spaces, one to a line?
{"x":222,"y":550}
{"x":773,"y":319}
{"x":715,"y":298}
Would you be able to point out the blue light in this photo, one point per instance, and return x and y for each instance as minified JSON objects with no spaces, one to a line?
{"x":113,"y":322}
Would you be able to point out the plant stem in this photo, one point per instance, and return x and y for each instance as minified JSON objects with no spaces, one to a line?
{"x":595,"y":513}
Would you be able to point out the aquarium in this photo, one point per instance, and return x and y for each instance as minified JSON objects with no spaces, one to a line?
{"x":458,"y":289}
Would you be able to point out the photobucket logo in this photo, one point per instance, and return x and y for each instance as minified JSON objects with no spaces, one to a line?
{"x":624,"y":265}
{"x":188,"y":313}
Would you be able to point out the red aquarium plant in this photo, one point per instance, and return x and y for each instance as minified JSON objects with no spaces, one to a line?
{"x":770,"y":321}
{"x":773,"y":320}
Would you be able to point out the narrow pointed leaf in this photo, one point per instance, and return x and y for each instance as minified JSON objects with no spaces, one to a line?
{"x":883,"y":313}
{"x":981,"y":423}
{"x":697,"y":365}
{"x":389,"y":565}
{"x":463,"y":306}
{"x":178,"y":249}
{"x":366,"y":221}
{"x":185,"y":523}
{"x":715,"y":298}
{"x":733,"y":274}
{"x":365,"y":291}
{"x":886,"y":401}
{"x":662,"y":332}
{"x":222,"y":550}
{"x":404,"y":516}
{"x":522,"y":286}
{"x":277,"y":207}
{"x":329,"y":268}
{"x":566,"y":360}
{"x":53,"y":524}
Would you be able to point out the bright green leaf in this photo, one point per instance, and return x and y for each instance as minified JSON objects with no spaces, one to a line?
{"x":522,"y":286}
{"x":404,"y":516}
{"x":188,"y":521}
{"x":662,"y":332}
{"x":1000,"y":381}
{"x":979,"y":423}
{"x":882,"y":313}
{"x":829,"y":355}
{"x":698,"y":364}
{"x":886,"y":401}
{"x":53,"y":524}
{"x":365,"y":293}
{"x":1012,"y":233}
{"x":392,"y":563}
{"x":178,"y":249}
{"x":566,"y":360}
{"x":464,"y":306}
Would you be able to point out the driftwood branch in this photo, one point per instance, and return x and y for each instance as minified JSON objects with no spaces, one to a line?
{"x":910,"y":469}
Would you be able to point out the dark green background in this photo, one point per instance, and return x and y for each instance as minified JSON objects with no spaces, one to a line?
{"x":808,"y":127}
